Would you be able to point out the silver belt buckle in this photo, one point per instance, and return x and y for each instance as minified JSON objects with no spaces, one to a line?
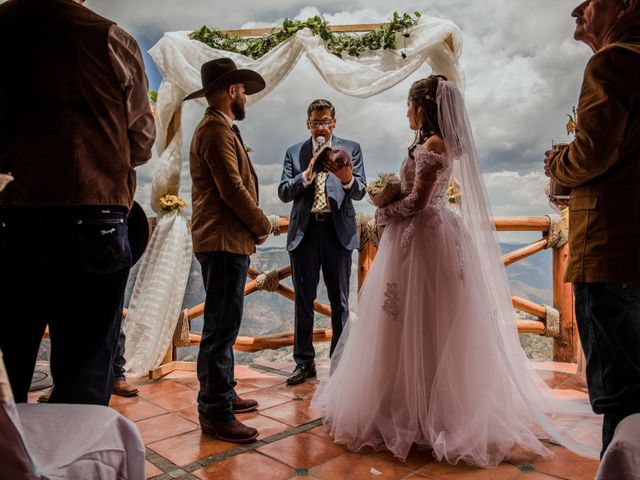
{"x":320,"y":216}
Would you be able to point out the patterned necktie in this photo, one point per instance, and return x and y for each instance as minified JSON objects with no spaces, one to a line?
{"x":320,"y":196}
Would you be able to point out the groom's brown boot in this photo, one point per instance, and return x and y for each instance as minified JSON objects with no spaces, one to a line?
{"x":301,"y":373}
{"x":243,"y":405}
{"x":233,"y":431}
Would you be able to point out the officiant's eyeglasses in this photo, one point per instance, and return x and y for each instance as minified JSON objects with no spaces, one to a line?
{"x":317,"y":123}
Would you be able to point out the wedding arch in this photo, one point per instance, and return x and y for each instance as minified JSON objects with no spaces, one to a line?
{"x":155,"y":307}
{"x":156,"y":301}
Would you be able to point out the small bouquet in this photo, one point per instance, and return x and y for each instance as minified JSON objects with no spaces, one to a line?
{"x":385,"y":189}
{"x":453,"y":192}
{"x":169,"y":203}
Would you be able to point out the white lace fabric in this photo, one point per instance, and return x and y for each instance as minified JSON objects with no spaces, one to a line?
{"x":425,"y":182}
{"x":422,"y":182}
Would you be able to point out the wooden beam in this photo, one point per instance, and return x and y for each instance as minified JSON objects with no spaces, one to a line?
{"x":530,"y":326}
{"x":267,"y":342}
{"x":273,"y":342}
{"x":185,"y":366}
{"x":259,"y":32}
{"x":174,"y":125}
{"x":355,"y":28}
{"x":162,"y":370}
{"x":529,"y":307}
{"x":283,"y":290}
{"x":522,"y":224}
{"x":288,"y":292}
{"x":278,"y":340}
{"x":524,"y":252}
{"x":366,"y":256}
{"x":284,"y":272}
{"x":284,"y":225}
{"x":565,"y":346}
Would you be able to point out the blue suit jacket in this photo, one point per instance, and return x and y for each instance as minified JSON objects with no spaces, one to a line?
{"x":292,"y":188}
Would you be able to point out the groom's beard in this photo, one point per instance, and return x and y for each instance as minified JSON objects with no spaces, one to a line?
{"x":238,"y":109}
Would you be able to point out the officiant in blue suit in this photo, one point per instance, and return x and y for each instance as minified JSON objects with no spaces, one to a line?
{"x":322,"y":228}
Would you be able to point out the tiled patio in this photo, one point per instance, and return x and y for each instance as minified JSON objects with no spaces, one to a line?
{"x":292,"y":442}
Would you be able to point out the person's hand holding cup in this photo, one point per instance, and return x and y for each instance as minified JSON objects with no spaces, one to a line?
{"x":558,"y":194}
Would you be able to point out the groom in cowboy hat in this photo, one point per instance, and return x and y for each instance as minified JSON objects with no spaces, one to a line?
{"x":226,"y":226}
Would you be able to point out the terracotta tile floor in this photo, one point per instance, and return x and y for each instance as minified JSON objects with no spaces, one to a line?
{"x":293,"y":444}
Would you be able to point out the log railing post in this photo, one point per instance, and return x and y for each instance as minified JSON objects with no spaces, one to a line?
{"x":369,"y":237}
{"x":366,"y":254}
{"x":565,"y":346}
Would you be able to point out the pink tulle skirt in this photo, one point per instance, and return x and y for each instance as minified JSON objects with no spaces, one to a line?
{"x":421,"y":363}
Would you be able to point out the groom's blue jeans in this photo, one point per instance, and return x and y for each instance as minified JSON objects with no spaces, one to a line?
{"x":66,"y":267}
{"x":224,"y":275}
{"x":608,"y":316}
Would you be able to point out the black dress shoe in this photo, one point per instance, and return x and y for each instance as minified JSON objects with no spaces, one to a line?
{"x":301,"y":373}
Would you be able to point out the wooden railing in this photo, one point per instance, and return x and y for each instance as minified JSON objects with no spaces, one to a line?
{"x":557,"y":321}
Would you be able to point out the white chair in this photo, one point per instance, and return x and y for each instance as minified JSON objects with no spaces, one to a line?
{"x":59,"y":441}
{"x":621,"y":461}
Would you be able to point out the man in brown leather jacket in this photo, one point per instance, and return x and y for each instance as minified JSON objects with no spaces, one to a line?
{"x":226,"y":226}
{"x":74,"y":123}
{"x":602,"y":165}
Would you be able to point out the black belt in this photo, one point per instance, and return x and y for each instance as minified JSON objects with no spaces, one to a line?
{"x":321,"y":216}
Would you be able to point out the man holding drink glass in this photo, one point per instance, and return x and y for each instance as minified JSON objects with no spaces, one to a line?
{"x":602,"y":168}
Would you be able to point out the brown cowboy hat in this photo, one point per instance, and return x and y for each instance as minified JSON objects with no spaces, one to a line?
{"x":222,"y":72}
{"x":139,"y":231}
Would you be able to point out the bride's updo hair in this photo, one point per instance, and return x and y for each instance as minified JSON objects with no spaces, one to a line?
{"x":423,"y":94}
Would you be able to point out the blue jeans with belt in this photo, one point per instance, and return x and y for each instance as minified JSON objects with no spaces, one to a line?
{"x":608,"y":317}
{"x":224,"y":275}
{"x":66,"y":267}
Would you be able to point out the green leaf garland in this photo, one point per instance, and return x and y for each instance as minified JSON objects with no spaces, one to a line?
{"x":383,"y":37}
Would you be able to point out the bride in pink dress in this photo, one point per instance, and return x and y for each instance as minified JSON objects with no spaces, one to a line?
{"x":433,"y":357}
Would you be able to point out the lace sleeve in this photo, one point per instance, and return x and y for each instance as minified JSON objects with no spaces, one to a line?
{"x":428,"y":164}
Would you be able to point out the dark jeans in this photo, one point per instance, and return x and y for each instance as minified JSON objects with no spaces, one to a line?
{"x":319,"y":249}
{"x":608,"y":316}
{"x":65,"y":267}
{"x":224,"y":275}
{"x":118,"y":358}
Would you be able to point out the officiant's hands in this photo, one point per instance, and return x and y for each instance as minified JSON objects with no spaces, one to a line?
{"x":344,"y":173}
{"x":340,"y":164}
{"x":307,"y":172}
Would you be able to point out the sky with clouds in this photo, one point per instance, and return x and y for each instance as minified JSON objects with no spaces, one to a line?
{"x":523,"y":74}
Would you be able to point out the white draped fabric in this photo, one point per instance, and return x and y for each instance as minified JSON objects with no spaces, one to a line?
{"x":157,"y":295}
{"x":179,"y":59}
{"x":155,"y":305}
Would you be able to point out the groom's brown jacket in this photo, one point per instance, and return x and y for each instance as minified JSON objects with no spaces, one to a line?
{"x":602,"y":165}
{"x":226,"y":216}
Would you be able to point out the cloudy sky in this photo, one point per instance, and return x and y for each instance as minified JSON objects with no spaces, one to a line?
{"x":523,"y":73}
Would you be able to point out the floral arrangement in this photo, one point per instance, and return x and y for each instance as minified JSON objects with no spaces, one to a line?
{"x":385,"y":189}
{"x":453,"y":192}
{"x":170,"y":202}
{"x":383,"y":37}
